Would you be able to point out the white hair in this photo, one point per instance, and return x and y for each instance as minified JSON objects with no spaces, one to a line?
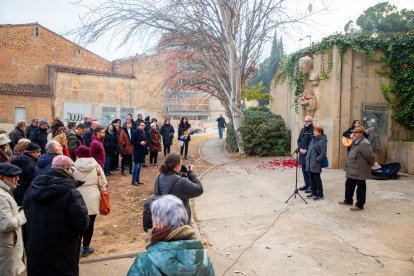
{"x":51,"y":146}
{"x":153,"y":125}
{"x":309,"y":118}
{"x":170,"y":211}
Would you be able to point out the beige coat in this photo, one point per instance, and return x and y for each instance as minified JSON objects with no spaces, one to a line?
{"x":86,"y":169}
{"x":11,"y":240}
{"x":360,"y":159}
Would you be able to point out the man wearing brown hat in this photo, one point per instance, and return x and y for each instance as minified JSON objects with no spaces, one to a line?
{"x":11,"y":220}
{"x":359,"y":161}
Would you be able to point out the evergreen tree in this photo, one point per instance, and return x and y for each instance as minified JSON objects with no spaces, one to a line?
{"x":265,"y":69}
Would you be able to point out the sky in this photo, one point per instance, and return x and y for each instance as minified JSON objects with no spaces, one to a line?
{"x":62,"y":16}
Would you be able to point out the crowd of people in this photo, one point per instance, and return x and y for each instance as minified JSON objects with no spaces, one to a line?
{"x":51,"y":179}
{"x":312,"y":150}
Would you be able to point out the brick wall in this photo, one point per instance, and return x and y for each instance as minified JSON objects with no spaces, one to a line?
{"x":39,"y":107}
{"x":26,"y":50}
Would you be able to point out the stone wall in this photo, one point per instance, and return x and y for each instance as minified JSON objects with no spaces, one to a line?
{"x":351,"y":91}
{"x":402,"y":152}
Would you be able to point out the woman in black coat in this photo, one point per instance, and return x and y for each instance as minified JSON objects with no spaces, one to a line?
{"x":167,"y":133}
{"x":139,"y":141}
{"x":184,"y":132}
{"x":111,"y":147}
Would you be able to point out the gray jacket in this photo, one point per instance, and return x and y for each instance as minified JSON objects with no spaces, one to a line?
{"x":316,"y":153}
{"x":184,"y":188}
{"x":360,"y":159}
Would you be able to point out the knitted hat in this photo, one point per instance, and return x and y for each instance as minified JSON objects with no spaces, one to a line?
{"x":32,"y":147}
{"x":83,"y":152}
{"x":42,"y":122}
{"x":7,"y":169}
{"x":62,"y":160}
{"x":4,"y":139}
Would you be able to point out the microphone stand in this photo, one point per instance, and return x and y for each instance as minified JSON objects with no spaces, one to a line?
{"x":296,"y":191}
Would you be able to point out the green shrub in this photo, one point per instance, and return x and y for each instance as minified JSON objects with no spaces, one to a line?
{"x":264,"y":133}
{"x":231,"y":143}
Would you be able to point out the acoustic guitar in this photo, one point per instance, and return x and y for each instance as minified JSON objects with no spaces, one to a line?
{"x":347,"y":142}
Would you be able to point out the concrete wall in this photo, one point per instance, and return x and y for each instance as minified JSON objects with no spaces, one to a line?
{"x":352,"y":83}
{"x":95,"y":91}
{"x":402,"y":152}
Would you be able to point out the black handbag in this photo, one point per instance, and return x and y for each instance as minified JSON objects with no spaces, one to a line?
{"x":146,"y":214}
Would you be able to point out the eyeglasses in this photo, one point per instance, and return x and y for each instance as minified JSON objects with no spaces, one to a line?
{"x":307,"y":121}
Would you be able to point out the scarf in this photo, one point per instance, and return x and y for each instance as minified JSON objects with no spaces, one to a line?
{"x":184,"y":232}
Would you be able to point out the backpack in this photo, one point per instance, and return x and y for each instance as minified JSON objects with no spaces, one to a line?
{"x":146,"y":214}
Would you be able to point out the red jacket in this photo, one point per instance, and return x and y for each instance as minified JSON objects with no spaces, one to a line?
{"x":98,"y":150}
{"x":125,"y":140}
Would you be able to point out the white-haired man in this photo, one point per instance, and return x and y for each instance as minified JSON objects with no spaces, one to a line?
{"x":17,"y":133}
{"x":44,"y":163}
{"x":303,"y":142}
{"x":87,"y":137}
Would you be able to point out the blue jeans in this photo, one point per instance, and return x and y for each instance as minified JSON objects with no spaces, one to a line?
{"x":136,"y":172}
{"x":107,"y":165}
{"x":220,"y":130}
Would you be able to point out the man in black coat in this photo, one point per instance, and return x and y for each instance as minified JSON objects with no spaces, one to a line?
{"x":27,"y":163}
{"x":17,"y":133}
{"x":139,"y":141}
{"x":87,"y":137}
{"x":56,"y":214}
{"x":32,"y":127}
{"x":75,"y":139}
{"x":39,"y":135}
{"x":303,"y":141}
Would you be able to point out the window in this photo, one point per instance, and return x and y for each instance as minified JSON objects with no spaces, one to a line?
{"x":19,"y":114}
{"x":36,"y":31}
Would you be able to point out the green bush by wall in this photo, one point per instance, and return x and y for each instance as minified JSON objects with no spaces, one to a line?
{"x":264,"y":133}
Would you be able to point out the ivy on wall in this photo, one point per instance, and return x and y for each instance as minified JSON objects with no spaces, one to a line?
{"x":398,"y":61}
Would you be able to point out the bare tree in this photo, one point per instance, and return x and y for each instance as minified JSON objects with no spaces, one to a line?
{"x":227,"y":36}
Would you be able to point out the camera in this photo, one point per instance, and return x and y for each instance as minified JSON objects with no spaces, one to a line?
{"x":185,"y":168}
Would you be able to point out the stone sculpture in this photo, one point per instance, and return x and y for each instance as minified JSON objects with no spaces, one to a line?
{"x":308,"y":99}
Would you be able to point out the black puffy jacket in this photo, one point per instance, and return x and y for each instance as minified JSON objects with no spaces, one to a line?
{"x":27,"y":164}
{"x":56,"y":214}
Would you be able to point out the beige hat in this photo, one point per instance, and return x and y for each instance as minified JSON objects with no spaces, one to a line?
{"x":4,"y":139}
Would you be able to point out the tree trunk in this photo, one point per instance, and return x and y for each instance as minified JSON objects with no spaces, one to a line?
{"x":238,"y":123}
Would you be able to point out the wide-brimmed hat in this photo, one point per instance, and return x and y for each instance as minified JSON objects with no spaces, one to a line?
{"x":359,"y":129}
{"x":4,"y":139}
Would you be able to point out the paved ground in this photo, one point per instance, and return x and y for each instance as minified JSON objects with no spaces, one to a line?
{"x":253,"y":231}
